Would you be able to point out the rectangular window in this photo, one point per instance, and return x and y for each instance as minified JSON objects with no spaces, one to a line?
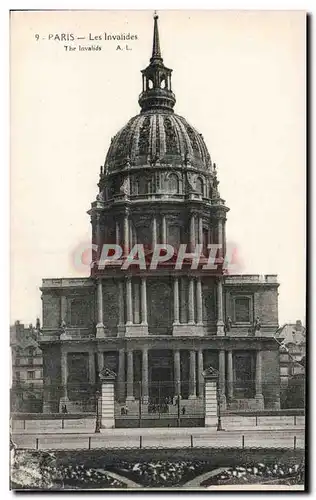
{"x":30,"y":361}
{"x":242,"y":310}
{"x":284,"y":358}
{"x":18,"y":376}
{"x":30,"y":375}
{"x":79,"y":312}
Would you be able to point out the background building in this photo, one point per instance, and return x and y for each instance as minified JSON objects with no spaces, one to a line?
{"x":27,"y":368}
{"x":159,"y":329}
{"x":292,"y":364}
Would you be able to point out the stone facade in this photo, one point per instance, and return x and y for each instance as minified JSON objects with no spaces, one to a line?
{"x":159,"y":329}
{"x":27,"y":368}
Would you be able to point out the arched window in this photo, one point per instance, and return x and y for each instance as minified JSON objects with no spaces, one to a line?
{"x":174,"y":235}
{"x":150,"y":84}
{"x":144,"y":235}
{"x":135,"y":186}
{"x":199,"y":185}
{"x":150,"y":185}
{"x":142,"y":185}
{"x":173,"y":183}
{"x":163,"y":83}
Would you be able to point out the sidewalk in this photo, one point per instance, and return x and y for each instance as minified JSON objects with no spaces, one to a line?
{"x":164,"y":439}
{"x":150,"y":431}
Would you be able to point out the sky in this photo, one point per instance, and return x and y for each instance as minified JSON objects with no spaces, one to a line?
{"x":239,"y":79}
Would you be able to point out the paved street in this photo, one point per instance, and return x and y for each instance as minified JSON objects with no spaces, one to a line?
{"x":165,"y":438}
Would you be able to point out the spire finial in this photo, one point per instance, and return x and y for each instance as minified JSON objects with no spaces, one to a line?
{"x":156,"y":45}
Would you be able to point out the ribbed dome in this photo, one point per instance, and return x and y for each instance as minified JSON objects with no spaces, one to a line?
{"x":157,"y":136}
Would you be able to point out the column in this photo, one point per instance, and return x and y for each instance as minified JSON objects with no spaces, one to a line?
{"x":134,"y":235}
{"x":136,"y":302}
{"x":145,"y":375}
{"x":177,"y":372}
{"x":230,"y":380}
{"x":154,"y":232}
{"x":182,"y":299}
{"x":224,"y":239}
{"x":126,"y":235}
{"x":64,"y":374}
{"x":98,"y":236}
{"x":164,"y":230}
{"x":199,"y":303}
{"x":100,"y":325}
{"x":209,"y":236}
{"x":117,"y":233}
{"x":191,"y":302}
{"x":91,"y":368}
{"x":200,"y":230}
{"x":63,"y":309}
{"x":192,"y":233}
{"x":144,"y":301}
{"x":192,"y":380}
{"x":100,"y":361}
{"x":121,"y":302}
{"x":258,"y":375}
{"x":221,"y":380}
{"x":130,"y":376}
{"x":129,"y":311}
{"x":176,"y":319}
{"x":121,"y":376}
{"x":130,"y":236}
{"x":220,"y":321}
{"x":200,"y":373}
{"x":220,"y":237}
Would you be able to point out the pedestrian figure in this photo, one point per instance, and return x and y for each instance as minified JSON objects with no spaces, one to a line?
{"x":64,"y":409}
{"x":183,"y":410}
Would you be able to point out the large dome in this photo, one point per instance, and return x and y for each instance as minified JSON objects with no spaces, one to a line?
{"x":157,"y":135}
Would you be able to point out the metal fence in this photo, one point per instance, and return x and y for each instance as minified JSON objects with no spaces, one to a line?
{"x":159,"y":399}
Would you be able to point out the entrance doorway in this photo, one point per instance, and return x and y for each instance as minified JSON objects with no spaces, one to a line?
{"x":161,"y":385}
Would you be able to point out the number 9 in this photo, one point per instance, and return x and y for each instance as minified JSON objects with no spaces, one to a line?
{"x":37,"y":37}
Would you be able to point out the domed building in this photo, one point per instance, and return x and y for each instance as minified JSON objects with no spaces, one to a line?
{"x":153,"y":314}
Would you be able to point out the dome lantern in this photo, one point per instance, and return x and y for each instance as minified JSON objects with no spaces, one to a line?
{"x":156,"y":92}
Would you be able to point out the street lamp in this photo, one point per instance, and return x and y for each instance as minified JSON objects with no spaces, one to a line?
{"x":97,"y":420}
{"x":219,"y":419}
{"x":178,"y":400}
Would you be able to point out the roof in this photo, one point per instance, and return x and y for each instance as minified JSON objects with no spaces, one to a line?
{"x":292,"y":333}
